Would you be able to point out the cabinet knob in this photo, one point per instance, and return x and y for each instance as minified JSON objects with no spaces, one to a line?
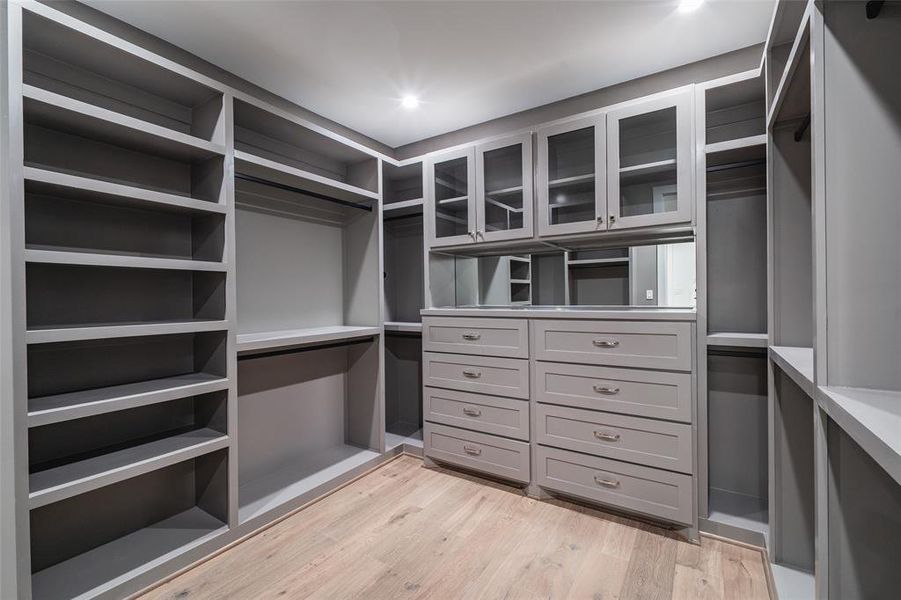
{"x":472,"y":234}
{"x":610,"y":483}
{"x":607,"y":437}
{"x":612,"y":219}
{"x":606,"y":343}
{"x":472,"y":450}
{"x":600,"y":219}
{"x":472,"y":374}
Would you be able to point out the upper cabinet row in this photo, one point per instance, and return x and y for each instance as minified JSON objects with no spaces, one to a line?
{"x":629,"y":167}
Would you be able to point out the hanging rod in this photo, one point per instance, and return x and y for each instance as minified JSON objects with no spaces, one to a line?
{"x":873,"y":8}
{"x":737,"y":165}
{"x":288,"y":188}
{"x":799,"y":132}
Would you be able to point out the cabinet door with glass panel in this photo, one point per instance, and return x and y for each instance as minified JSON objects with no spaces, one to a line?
{"x":451,"y":198}
{"x":572,"y":192}
{"x":504,"y":189}
{"x":649,"y":162}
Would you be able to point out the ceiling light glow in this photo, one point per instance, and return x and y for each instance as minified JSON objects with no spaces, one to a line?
{"x":687,"y":6}
{"x":410,"y":102}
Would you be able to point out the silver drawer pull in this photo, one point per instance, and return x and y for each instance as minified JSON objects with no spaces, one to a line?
{"x":607,"y":437}
{"x":472,"y":336}
{"x":472,"y":450}
{"x":610,"y":483}
{"x":606,"y":343}
{"x":472,"y":412}
{"x":472,"y":374}
{"x":603,"y":389}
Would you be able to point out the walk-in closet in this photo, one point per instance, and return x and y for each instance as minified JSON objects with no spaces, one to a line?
{"x":383,"y":300}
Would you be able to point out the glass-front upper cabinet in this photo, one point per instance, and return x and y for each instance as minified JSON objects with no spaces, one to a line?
{"x":451,"y":198}
{"x":572,"y":192}
{"x":649,"y":162}
{"x":504,"y":189}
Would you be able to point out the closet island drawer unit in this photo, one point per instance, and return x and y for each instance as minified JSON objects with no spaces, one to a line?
{"x":475,"y":335}
{"x":507,"y":417}
{"x":638,"y":344}
{"x":653,"y":492}
{"x":486,"y":453}
{"x":490,"y":375}
{"x":643,"y":441}
{"x":655,"y":394}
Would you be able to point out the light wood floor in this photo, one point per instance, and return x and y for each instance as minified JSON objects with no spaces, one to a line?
{"x":405,"y":531}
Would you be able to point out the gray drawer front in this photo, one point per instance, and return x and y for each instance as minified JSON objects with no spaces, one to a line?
{"x":468,"y":335}
{"x":645,"y":490}
{"x":479,"y":374}
{"x":478,"y":451}
{"x":641,"y":344}
{"x":628,"y":391}
{"x":488,"y":414}
{"x":644,"y":441}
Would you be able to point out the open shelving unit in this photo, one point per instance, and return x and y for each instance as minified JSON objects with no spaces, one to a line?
{"x":404,"y":259}
{"x":598,"y":277}
{"x":732,"y":324}
{"x":126,"y":268}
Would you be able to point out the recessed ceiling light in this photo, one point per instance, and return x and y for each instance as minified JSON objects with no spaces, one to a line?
{"x":687,"y":6}
{"x":410,"y":102}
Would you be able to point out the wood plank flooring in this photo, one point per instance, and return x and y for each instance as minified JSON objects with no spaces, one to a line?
{"x":404,"y":531}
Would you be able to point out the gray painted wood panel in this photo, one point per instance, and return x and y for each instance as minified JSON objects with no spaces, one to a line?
{"x":490,"y":375}
{"x":489,"y":337}
{"x":488,"y":414}
{"x":478,"y":451}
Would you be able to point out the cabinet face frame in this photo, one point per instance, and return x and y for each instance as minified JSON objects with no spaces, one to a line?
{"x":431,"y":200}
{"x":682,"y":101}
{"x":524,"y":140}
{"x":545,"y":227}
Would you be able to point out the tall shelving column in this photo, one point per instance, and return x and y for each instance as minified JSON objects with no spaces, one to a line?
{"x":123,"y":381}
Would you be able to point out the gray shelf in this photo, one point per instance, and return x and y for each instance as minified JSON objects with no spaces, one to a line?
{"x":98,"y":332}
{"x":403,"y":327}
{"x":733,"y":145}
{"x":59,"y":483}
{"x":54,"y":111}
{"x":46,"y":410}
{"x":403,"y":208}
{"x":797,"y":363}
{"x":872,"y":418}
{"x":738,"y":340}
{"x":104,"y":567}
{"x":55,"y":257}
{"x":65,"y":185}
{"x":300,"y":479}
{"x":296,"y":338}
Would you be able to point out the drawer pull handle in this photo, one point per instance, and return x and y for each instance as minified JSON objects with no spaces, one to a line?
{"x":472,"y":374}
{"x":607,"y":437}
{"x":472,"y":412}
{"x":472,"y":336}
{"x":603,"y":389}
{"x":610,"y":483}
{"x":472,"y":450}
{"x":606,"y":343}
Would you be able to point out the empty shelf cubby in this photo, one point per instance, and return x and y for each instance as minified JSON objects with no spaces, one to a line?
{"x":402,"y":184}
{"x":65,"y":295}
{"x":736,"y":111}
{"x":271,"y":146}
{"x":69,"y":373}
{"x":736,"y":244}
{"x":403,"y":388}
{"x":404,"y":268}
{"x":80,"y":67}
{"x":85,"y":544}
{"x":64,"y":219}
{"x":306,"y":417}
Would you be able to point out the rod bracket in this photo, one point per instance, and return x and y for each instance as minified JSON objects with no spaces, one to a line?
{"x":873,"y":8}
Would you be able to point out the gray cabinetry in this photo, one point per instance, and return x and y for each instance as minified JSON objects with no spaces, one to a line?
{"x":649,"y":162}
{"x":504,"y":197}
{"x":619,"y":435}
{"x":571,"y":177}
{"x":450,"y":198}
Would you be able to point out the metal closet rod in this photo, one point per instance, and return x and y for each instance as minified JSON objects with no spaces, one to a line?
{"x":296,"y":190}
{"x":873,"y":8}
{"x":737,"y":165}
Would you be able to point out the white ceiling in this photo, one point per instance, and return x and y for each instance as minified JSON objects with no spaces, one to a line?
{"x":467,"y":61}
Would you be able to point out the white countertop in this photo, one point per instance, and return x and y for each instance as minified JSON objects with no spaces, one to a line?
{"x":635,"y":313}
